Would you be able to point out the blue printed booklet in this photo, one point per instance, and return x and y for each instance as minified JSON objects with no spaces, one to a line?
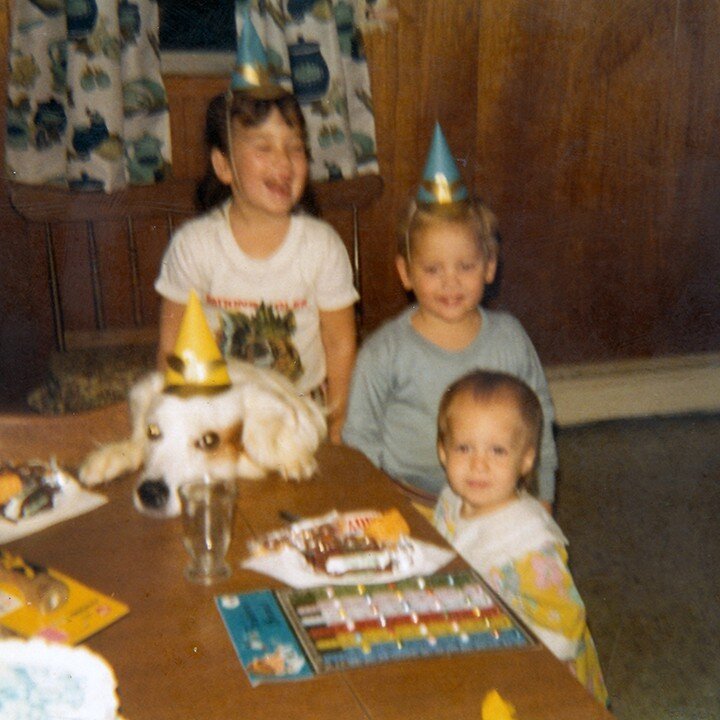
{"x":267,"y":647}
{"x":294,"y":634}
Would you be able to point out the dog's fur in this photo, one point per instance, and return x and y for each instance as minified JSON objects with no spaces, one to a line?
{"x":257,"y":426}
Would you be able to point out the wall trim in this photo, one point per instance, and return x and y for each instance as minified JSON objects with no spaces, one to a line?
{"x":201,"y":62}
{"x":586,"y":393}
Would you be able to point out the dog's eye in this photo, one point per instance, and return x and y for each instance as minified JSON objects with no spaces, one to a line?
{"x":153,"y":432}
{"x":208,"y":441}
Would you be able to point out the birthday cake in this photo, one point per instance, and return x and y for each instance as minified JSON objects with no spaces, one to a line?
{"x":342,"y":543}
{"x":47,"y":681}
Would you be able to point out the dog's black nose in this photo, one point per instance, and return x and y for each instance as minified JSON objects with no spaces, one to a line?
{"x":153,"y":494}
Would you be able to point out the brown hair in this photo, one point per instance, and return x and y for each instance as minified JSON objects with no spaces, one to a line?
{"x":472,"y":213}
{"x":485,"y":385}
{"x":250,"y":112}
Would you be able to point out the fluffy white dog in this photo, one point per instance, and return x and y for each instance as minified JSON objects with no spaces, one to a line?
{"x":257,"y":426}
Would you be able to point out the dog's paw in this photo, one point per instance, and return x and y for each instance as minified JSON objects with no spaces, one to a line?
{"x":275,"y":447}
{"x":110,"y":461}
{"x":302,"y":468}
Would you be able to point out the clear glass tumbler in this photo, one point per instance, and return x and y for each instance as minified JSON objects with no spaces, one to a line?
{"x":208,"y":507}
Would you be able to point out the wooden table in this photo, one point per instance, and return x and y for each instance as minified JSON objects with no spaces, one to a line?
{"x":174,"y":659}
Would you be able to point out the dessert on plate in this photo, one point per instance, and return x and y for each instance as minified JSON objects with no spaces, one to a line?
{"x":29,"y":488}
{"x":342,"y":543}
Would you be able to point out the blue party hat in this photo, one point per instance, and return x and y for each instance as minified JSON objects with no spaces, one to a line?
{"x":252,"y":70}
{"x":441,"y":184}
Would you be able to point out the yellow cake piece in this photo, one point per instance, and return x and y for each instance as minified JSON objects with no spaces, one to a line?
{"x":388,"y":527}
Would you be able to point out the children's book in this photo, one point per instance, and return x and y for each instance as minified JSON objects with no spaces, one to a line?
{"x":293,"y":634}
{"x":39,"y":602}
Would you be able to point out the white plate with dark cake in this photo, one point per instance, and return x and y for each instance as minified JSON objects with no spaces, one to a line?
{"x":349,"y":548}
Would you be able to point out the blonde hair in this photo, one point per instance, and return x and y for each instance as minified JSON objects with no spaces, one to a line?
{"x":473,"y":213}
{"x":486,"y":385}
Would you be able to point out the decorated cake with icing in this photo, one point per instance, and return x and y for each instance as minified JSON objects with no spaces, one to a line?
{"x":47,"y":681}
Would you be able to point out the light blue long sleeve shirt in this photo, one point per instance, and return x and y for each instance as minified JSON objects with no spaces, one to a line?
{"x":399,"y":379}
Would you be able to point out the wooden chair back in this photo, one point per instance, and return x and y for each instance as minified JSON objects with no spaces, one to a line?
{"x":102,"y":255}
{"x":103,"y":251}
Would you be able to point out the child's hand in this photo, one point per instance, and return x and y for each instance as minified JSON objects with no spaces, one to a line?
{"x":337,"y":328}
{"x":335,"y":431}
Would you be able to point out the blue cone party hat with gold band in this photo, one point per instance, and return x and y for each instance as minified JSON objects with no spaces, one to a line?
{"x":441,"y":185}
{"x":252,"y":70}
{"x":196,"y":366}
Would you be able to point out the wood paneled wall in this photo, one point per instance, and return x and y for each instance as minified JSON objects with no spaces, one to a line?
{"x":591,"y":128}
{"x":597,"y":143}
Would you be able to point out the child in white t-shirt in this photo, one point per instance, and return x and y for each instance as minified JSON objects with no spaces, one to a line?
{"x":275,"y":284}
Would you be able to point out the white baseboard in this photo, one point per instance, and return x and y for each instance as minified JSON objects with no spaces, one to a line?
{"x":635,"y":388}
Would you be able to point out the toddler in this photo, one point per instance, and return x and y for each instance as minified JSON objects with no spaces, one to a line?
{"x":447,"y":254}
{"x":488,"y":428}
{"x":275,"y":284}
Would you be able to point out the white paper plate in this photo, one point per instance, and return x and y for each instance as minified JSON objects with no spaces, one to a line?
{"x":71,"y":501}
{"x":43,"y":681}
{"x":290,"y":567}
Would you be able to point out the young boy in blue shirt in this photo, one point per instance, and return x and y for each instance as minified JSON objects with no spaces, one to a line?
{"x":447,"y":255}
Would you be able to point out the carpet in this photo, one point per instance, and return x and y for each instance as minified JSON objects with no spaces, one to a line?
{"x":639,"y":501}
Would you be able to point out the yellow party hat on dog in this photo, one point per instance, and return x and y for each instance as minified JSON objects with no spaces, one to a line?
{"x":196,"y":366}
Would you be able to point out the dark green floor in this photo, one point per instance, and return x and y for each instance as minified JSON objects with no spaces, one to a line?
{"x":640,"y":503}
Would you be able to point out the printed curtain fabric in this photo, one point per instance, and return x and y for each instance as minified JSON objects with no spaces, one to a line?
{"x":87,"y":108}
{"x":315,"y":47}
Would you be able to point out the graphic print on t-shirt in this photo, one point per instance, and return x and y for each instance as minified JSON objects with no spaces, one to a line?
{"x":264,"y":339}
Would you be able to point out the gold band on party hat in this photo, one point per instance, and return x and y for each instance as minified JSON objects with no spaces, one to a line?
{"x":196,"y":367}
{"x":256,"y":82}
{"x":441,"y":187}
{"x":443,"y":191}
{"x":200,"y":378}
